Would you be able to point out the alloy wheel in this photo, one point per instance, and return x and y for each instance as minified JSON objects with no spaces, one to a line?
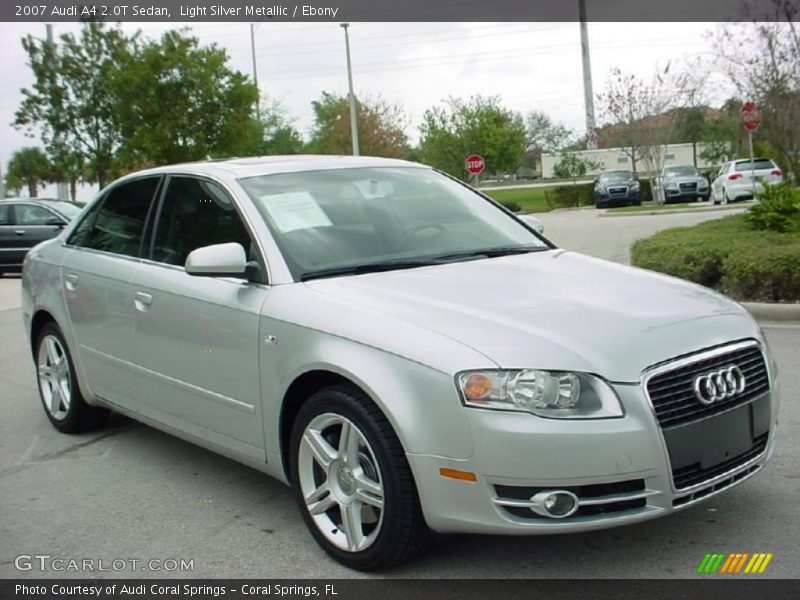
{"x":340,"y":482}
{"x":54,"y":377}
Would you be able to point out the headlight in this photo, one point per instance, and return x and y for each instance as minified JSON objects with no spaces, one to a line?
{"x":702,"y":184}
{"x":551,"y":394}
{"x":635,"y":187}
{"x":600,"y":189}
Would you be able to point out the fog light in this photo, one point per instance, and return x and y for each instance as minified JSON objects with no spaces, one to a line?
{"x":556,"y":504}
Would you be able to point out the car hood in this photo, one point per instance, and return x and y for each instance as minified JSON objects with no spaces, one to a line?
{"x":552,"y":310}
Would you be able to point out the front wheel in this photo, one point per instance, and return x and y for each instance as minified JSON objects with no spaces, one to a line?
{"x":353,"y":483}
{"x":58,"y":385}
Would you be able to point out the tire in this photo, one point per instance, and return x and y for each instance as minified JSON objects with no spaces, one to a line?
{"x":61,"y":396}
{"x":714,"y":198}
{"x":369,"y":480}
{"x":725,"y":198}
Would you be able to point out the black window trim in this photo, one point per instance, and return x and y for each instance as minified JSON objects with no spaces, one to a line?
{"x":92,"y":214}
{"x":159,"y":204}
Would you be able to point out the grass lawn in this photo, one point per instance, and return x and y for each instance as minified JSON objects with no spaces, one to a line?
{"x":530,"y":200}
{"x":649,"y":207}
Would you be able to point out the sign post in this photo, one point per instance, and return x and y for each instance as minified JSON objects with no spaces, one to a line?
{"x":474,"y":164}
{"x":751,"y":119}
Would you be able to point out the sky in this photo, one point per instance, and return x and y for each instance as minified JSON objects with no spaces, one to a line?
{"x":531,"y":66}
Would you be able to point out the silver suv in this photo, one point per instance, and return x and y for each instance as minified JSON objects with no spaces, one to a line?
{"x":405,"y":353}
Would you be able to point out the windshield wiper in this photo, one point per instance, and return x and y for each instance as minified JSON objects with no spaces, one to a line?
{"x":392,"y":265}
{"x":376,"y":267}
{"x":491,"y":252}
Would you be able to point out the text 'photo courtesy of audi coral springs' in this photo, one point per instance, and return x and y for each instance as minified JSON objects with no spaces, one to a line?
{"x":406,"y":354}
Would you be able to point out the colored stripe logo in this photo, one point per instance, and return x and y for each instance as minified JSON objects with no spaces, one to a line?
{"x":734,"y":563}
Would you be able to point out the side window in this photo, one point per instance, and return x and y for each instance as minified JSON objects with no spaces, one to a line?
{"x":80,"y":235}
{"x":119,"y":223}
{"x":28,"y":214}
{"x":195,"y":213}
{"x":5,"y":214}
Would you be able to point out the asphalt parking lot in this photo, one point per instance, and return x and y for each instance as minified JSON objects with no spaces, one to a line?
{"x":131,"y":492}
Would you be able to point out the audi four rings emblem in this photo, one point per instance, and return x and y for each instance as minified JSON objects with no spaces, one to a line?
{"x":719,"y":385}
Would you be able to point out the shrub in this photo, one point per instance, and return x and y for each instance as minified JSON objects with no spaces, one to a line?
{"x":570,"y":196}
{"x":728,"y":255}
{"x":511,"y":205}
{"x":778,"y":209}
{"x":773,"y":274}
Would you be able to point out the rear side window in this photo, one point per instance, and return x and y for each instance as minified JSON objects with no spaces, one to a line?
{"x":195,"y":213}
{"x":117,"y":223}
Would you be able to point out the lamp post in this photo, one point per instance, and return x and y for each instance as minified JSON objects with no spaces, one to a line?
{"x":353,"y":123}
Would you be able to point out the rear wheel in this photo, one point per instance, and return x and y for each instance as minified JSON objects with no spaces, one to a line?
{"x":58,"y":385}
{"x":352,"y":482}
{"x":725,"y":198}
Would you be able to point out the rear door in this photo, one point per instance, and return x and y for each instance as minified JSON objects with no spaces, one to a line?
{"x":10,"y":253}
{"x":96,"y":275}
{"x":196,"y":338}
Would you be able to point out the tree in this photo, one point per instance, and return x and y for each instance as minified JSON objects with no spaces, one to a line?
{"x":762,"y":59}
{"x":179,"y":101}
{"x":72,"y":102}
{"x":276,"y":134}
{"x":641,"y":113}
{"x":381,"y":127}
{"x":30,"y":167}
{"x":480,"y":125}
{"x":543,"y":135}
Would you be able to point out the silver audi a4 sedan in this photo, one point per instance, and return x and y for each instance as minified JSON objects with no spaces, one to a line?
{"x":405,"y":353}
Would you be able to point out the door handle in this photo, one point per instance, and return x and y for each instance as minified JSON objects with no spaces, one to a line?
{"x":19,"y":232}
{"x":142,"y":301}
{"x":71,"y":281}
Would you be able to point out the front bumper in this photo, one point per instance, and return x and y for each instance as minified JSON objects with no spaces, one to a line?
{"x":686,"y":195}
{"x":618,"y":468}
{"x":626,"y":199}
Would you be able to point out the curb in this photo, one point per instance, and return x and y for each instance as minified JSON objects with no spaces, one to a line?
{"x":676,"y":211}
{"x":765,"y":311}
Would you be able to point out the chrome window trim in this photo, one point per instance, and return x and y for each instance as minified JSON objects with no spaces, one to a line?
{"x":659,"y":368}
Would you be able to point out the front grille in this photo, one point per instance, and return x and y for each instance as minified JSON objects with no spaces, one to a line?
{"x":672,"y":392}
{"x":720,"y":485}
{"x":618,"y":191}
{"x":693,"y":474}
{"x":605,"y":497}
{"x":688,"y":186}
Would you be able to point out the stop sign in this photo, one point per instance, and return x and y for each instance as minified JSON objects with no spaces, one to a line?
{"x":475,"y":164}
{"x":751,"y":116}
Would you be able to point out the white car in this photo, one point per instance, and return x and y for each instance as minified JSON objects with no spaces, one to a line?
{"x":735,"y":180}
{"x":405,"y":353}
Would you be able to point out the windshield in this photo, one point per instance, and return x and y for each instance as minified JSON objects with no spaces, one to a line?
{"x":687,"y":171}
{"x":66,"y":209}
{"x":341,"y":219}
{"x":615,"y":176}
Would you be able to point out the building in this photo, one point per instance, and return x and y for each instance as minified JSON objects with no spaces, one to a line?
{"x":610,"y":159}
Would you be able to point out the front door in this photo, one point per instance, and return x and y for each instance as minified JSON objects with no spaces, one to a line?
{"x":196,"y":338}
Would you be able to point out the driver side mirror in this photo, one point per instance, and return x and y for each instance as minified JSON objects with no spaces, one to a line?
{"x":218,"y":260}
{"x":56,"y":222}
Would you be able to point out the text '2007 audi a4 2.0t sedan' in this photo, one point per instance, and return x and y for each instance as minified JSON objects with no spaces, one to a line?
{"x":405,"y":353}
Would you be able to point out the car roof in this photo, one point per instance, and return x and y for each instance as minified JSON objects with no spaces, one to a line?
{"x":271,"y":165}
{"x":32,"y":200}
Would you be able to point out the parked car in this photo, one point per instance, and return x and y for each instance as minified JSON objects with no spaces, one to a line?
{"x":405,"y":353}
{"x":681,"y":183}
{"x":616,"y":188}
{"x":735,"y":179}
{"x":26,"y":222}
